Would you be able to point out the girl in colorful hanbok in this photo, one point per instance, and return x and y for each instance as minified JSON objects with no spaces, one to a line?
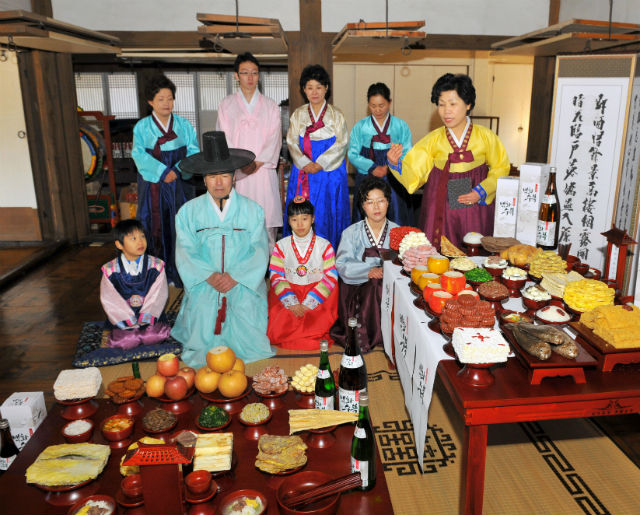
{"x":303,"y":299}
{"x":160,"y":141}
{"x":317,"y":142}
{"x":370,"y":140}
{"x":359,"y":263}
{"x":458,"y":164}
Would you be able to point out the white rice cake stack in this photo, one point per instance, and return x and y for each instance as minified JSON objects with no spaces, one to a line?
{"x":213,"y":452}
{"x":68,"y":464}
{"x":479,"y":345}
{"x":77,"y":383}
{"x":412,"y":239}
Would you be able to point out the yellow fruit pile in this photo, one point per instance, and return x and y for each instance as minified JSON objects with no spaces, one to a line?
{"x":547,"y":261}
{"x":587,"y":294}
{"x":304,"y":380}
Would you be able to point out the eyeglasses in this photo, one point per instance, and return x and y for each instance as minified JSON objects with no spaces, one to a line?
{"x":252,"y":74}
{"x":375,"y":202}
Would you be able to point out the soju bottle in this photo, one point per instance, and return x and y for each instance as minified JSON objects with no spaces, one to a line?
{"x":325,"y":385}
{"x":352,"y":381}
{"x":363,"y":447}
{"x":8,"y":449}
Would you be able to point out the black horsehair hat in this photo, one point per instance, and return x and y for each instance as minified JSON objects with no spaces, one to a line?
{"x":216,"y":157}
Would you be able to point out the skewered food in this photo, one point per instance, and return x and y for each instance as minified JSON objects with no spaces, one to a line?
{"x":305,"y":419}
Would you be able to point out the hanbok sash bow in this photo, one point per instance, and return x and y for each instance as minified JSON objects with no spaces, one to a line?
{"x":460,"y":154}
{"x":166,"y":136}
{"x":380,"y":137}
{"x":302,"y":187}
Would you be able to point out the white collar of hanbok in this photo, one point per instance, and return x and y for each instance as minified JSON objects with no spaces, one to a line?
{"x":225,"y":209}
{"x":302,"y":244}
{"x":254,"y":100}
{"x":459,"y":141}
{"x":381,"y":127}
{"x":379,"y":238}
{"x":132,"y":267}
{"x":313,"y":114}
{"x":165,"y":127}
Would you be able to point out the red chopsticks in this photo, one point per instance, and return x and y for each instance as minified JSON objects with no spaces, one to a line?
{"x":335,"y":486}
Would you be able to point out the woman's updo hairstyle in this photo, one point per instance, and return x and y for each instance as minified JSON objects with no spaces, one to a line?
{"x":461,"y":83}
{"x":300,"y":206}
{"x":317,"y":73}
{"x":379,"y":88}
{"x":156,"y":83}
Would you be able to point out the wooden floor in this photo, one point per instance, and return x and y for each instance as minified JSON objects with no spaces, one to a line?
{"x":41,"y":315}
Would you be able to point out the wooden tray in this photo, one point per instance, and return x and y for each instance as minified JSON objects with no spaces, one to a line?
{"x":606,"y":354}
{"x":555,"y":366}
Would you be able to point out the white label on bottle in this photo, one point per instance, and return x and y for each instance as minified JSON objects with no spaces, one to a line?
{"x":546,"y":233}
{"x":351,"y":361}
{"x":323,"y":374}
{"x":349,"y":400}
{"x":324,"y":402}
{"x":363,"y":468}
{"x":6,"y":462}
{"x":360,"y":432}
{"x":548,"y":199}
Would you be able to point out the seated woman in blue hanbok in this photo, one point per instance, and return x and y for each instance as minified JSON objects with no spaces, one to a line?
{"x":370,"y":140}
{"x":317,"y":142}
{"x":160,"y":141}
{"x":359,"y":263}
{"x":222,"y":254}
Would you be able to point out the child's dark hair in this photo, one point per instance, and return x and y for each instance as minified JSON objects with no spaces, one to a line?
{"x":126,"y":227}
{"x":371,"y":182}
{"x":156,"y":83}
{"x":379,"y":88}
{"x":317,"y":73}
{"x":243,"y":58}
{"x":300,"y":208}
{"x":461,"y":83}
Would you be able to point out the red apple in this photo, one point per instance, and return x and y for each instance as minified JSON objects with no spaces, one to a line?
{"x":176,"y":388}
{"x":189,"y":375}
{"x":168,"y":365}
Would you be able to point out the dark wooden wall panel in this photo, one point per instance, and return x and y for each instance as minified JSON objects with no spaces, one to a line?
{"x":308,"y":46}
{"x":49,"y":100}
{"x":540,"y":111}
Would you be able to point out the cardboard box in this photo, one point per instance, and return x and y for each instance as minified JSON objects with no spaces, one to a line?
{"x":533,"y":182}
{"x":506,"y":210}
{"x":24,"y":409}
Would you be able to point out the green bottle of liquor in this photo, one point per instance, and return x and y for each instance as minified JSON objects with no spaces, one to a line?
{"x":363,"y":447}
{"x":352,"y":380}
{"x":325,"y":384}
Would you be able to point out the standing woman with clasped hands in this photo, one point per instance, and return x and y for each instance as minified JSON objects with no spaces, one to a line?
{"x":459,"y":165}
{"x":317,"y":141}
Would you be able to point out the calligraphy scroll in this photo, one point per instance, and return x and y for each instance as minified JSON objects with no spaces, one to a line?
{"x":588,"y":129}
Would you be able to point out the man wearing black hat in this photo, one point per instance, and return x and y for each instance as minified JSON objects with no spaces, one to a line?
{"x":222,"y":257}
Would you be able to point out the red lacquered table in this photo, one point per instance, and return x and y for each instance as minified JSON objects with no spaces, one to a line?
{"x":512,"y":399}
{"x":18,"y":497}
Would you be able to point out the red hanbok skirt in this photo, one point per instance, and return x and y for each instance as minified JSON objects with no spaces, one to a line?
{"x":304,"y":333}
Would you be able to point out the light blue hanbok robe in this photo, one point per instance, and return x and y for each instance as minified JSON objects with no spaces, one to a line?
{"x":366,"y":155}
{"x":237,"y":245}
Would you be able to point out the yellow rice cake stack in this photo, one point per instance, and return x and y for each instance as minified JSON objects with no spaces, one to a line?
{"x":617,"y":325}
{"x":586,"y":294}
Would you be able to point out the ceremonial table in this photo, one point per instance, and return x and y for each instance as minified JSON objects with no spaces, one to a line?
{"x":511,"y":398}
{"x":18,"y":497}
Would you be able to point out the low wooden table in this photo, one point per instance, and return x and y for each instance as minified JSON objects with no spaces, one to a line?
{"x":18,"y":497}
{"x":512,"y":399}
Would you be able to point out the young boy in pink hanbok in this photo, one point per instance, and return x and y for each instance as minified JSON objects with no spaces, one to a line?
{"x":134,"y":290}
{"x":252,"y":121}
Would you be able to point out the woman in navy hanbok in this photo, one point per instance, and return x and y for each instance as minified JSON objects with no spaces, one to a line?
{"x":317,"y":141}
{"x":160,"y":141}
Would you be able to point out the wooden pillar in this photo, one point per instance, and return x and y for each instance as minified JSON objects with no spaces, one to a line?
{"x":50,"y":109}
{"x":307,"y":46}
{"x":42,"y":7}
{"x":540,"y":112}
{"x":554,"y":11}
